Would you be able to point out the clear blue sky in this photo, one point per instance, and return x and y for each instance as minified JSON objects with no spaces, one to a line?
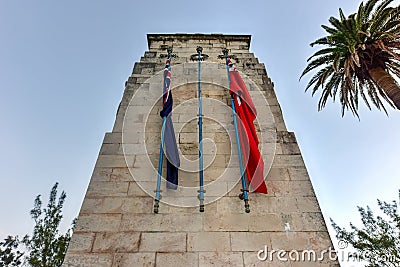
{"x":63,"y":65}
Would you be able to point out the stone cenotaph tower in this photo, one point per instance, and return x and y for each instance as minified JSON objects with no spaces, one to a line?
{"x":210,"y":219}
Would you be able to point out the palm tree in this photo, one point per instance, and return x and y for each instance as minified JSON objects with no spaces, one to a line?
{"x":360,"y":58}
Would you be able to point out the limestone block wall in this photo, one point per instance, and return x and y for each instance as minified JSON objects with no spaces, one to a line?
{"x":116,"y":224}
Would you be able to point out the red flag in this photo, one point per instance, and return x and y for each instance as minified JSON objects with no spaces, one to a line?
{"x":246,"y":111}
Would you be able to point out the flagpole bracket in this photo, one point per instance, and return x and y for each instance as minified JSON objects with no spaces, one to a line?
{"x":169,"y":53}
{"x":241,"y":195}
{"x":246,"y":199}
{"x":199,"y":56}
{"x":195,"y":57}
{"x":201,"y":198}
{"x":157,"y":200}
{"x":225,"y":55}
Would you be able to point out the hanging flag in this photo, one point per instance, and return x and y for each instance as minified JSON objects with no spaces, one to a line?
{"x":170,"y":146}
{"x":246,"y":111}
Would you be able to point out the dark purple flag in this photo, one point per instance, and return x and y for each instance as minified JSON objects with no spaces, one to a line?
{"x":170,"y":147}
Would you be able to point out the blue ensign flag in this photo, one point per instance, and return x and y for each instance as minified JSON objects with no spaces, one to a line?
{"x":170,"y":146}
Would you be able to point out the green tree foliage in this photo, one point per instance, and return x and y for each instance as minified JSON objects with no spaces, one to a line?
{"x":378,"y":242}
{"x":9,"y":253}
{"x":360,"y":58}
{"x":46,"y":247}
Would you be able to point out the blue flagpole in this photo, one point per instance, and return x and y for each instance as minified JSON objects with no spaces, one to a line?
{"x":160,"y":163}
{"x":199,"y":57}
{"x":244,"y":189}
{"x":160,"y":159}
{"x":200,"y":115}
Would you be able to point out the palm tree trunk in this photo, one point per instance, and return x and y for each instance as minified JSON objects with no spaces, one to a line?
{"x":387,"y":83}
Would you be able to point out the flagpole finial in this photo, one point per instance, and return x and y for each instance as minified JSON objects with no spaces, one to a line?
{"x":199,"y":49}
{"x":225,"y":51}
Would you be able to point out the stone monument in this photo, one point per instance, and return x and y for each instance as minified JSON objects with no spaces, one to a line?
{"x":117,"y":225}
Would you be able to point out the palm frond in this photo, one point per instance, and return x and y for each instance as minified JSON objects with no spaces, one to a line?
{"x":336,"y":23}
{"x":341,"y":14}
{"x":378,"y":103}
{"x":320,"y":41}
{"x":394,"y":68}
{"x":334,"y":83}
{"x":322,"y":52}
{"x":383,"y":6}
{"x":319,"y":78}
{"x":320,"y":61}
{"x":315,"y":79}
{"x":329,"y":29}
{"x":380,"y":18}
{"x":369,"y":6}
{"x":326,"y":93}
{"x":364,"y":97}
{"x":392,"y":27}
{"x":354,"y":45}
{"x":360,"y":14}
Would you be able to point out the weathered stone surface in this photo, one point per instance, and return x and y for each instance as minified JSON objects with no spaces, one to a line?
{"x":321,"y":240}
{"x":290,"y":240}
{"x":102,"y":205}
{"x":284,"y":161}
{"x":298,"y":173}
{"x":81,"y":242}
{"x":121,"y":175}
{"x":88,"y":260}
{"x":220,"y":259}
{"x":290,"y":149}
{"x":109,"y":189}
{"x":162,"y":222}
{"x":117,"y":205}
{"x":266,"y":222}
{"x":302,"y":188}
{"x":278,"y":174}
{"x":98,"y":222}
{"x":116,"y":242}
{"x":136,"y":190}
{"x":112,"y":138}
{"x":310,"y":221}
{"x":208,"y":241}
{"x":101,"y":174}
{"x":137,"y":205}
{"x":163,"y":242}
{"x":177,"y":259}
{"x":226,"y":222}
{"x":134,"y":259}
{"x":249,"y":241}
{"x":104,"y":161}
